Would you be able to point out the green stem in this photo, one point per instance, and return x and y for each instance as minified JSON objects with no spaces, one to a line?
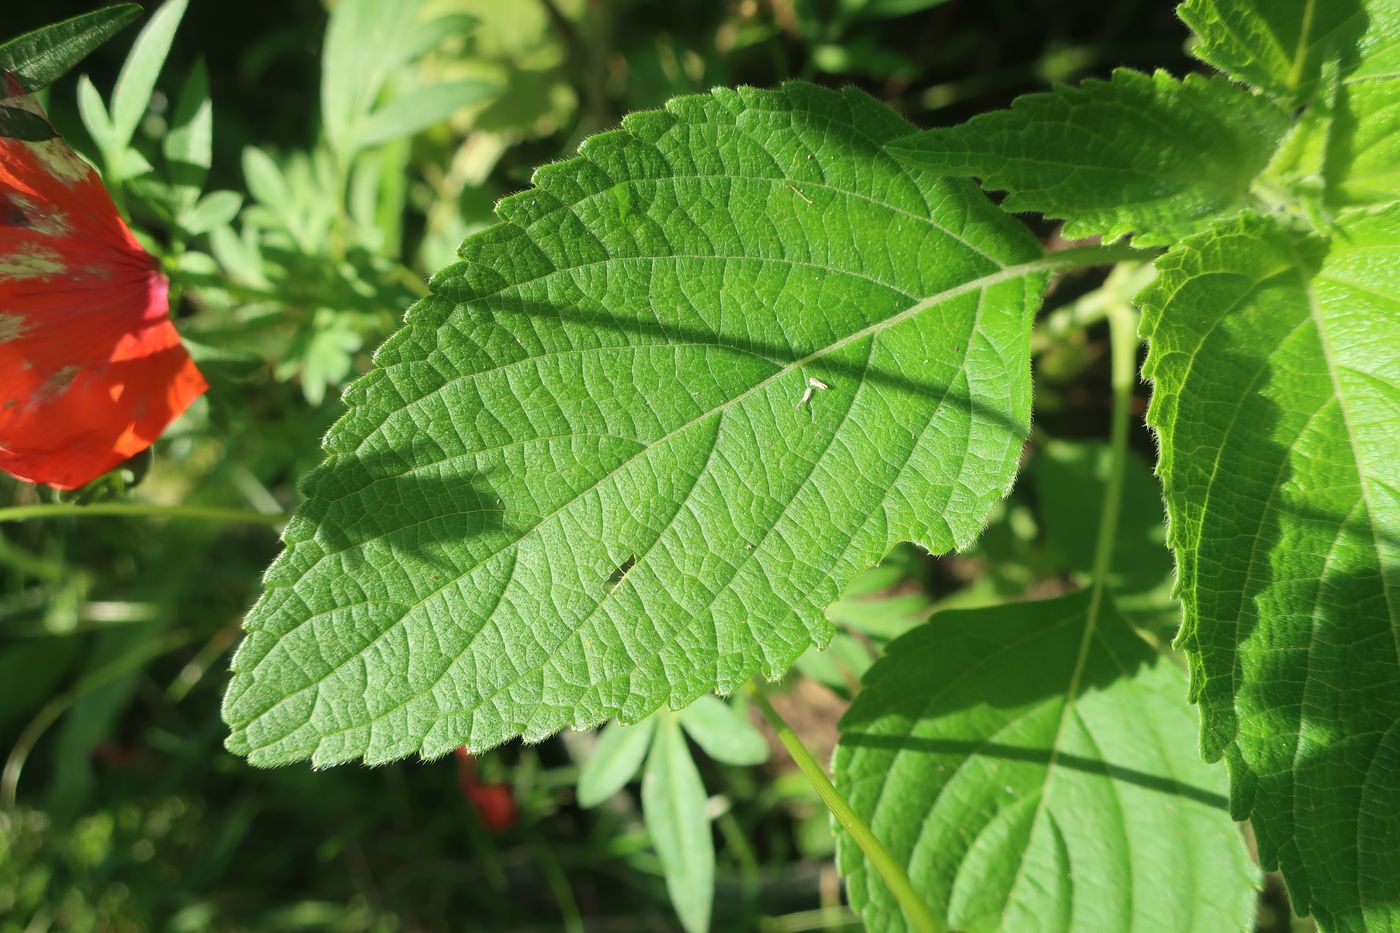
{"x":51,"y":711}
{"x":1083,"y":257}
{"x":1123,"y":347}
{"x":208,"y":513}
{"x":915,"y":910}
{"x":1122,"y":339}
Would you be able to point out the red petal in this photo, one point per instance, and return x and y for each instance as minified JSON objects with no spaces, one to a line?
{"x":91,"y":368}
{"x":495,"y":804}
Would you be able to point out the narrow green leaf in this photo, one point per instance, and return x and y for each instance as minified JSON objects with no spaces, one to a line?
{"x":367,"y":41}
{"x":264,"y":179}
{"x":619,"y":753}
{"x":630,"y":449}
{"x":41,"y":57}
{"x":1143,"y":154}
{"x":1278,"y":46}
{"x":418,"y":110}
{"x":674,"y":805}
{"x":94,"y":114}
{"x":1032,"y":766}
{"x":130,"y":164}
{"x":359,"y":36}
{"x":839,"y":666}
{"x":723,"y":732}
{"x":137,"y":79}
{"x":213,"y":210}
{"x":240,"y":256}
{"x":189,"y":143}
{"x":1276,"y":371}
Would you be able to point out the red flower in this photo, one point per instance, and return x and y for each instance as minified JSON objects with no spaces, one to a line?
{"x":91,"y":368}
{"x":494,"y":803}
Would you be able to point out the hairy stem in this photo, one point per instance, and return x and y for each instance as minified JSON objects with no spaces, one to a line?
{"x":1083,"y":257}
{"x":206,"y":513}
{"x":1122,"y":329}
{"x":915,"y":910}
{"x":1123,"y":347}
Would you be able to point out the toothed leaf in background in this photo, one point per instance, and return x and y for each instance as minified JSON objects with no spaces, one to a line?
{"x":1030,"y":776}
{"x":583,"y":481}
{"x":1149,"y":155}
{"x":1275,"y":364}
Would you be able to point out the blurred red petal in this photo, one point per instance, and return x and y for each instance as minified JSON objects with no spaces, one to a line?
{"x":91,"y":368}
{"x":495,"y":804}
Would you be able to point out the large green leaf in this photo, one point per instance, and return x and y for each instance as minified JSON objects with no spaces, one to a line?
{"x":1144,"y":154}
{"x":633,"y":445}
{"x":1032,"y":766}
{"x":1280,"y":46}
{"x":1276,"y":370}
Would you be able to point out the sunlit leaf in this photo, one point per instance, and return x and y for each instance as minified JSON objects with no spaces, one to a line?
{"x":1276,"y":369}
{"x":631,"y":448}
{"x":1032,"y":766}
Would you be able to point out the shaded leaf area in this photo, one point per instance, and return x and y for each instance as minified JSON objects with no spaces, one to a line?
{"x":1144,"y":154}
{"x":615,"y":377}
{"x":1032,"y":766}
{"x":1276,"y":370}
{"x":1069,"y":478}
{"x":1279,"y":46}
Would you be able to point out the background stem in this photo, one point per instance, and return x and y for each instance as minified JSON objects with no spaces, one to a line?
{"x":915,"y":910}
{"x":1123,"y":347}
{"x":206,"y":513}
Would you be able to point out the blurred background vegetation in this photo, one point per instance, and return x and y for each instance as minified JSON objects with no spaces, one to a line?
{"x":345,"y":167}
